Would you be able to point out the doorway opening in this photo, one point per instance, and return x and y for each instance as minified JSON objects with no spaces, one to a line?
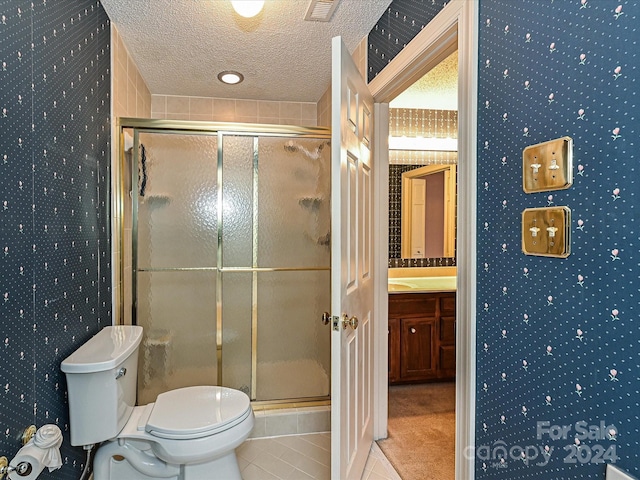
{"x":454,"y":28}
{"x":423,"y":156}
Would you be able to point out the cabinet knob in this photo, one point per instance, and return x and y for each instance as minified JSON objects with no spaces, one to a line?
{"x":412,"y":330}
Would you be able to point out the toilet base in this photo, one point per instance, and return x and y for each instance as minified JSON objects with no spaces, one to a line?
{"x":106,"y":467}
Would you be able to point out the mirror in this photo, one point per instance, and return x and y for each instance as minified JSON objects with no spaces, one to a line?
{"x":423,"y":128}
{"x":428,"y":221}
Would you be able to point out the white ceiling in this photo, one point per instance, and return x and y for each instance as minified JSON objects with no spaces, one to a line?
{"x":437,"y":90}
{"x":180,"y":46}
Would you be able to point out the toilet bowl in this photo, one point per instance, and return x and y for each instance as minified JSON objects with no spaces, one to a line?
{"x":186,"y":434}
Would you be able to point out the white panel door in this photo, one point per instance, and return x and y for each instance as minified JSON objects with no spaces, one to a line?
{"x":351,"y":275}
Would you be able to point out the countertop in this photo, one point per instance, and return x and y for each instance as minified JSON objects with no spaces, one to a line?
{"x":422,"y":284}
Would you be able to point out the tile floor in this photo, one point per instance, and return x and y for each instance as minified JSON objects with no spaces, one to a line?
{"x":302,"y":457}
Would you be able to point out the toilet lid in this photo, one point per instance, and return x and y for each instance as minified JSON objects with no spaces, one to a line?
{"x":194,"y":412}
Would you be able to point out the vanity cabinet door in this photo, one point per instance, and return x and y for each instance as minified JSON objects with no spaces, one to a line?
{"x":422,"y":337}
{"x":447,"y":348}
{"x":417,"y":339}
{"x":394,"y":349}
{"x":447,"y":340}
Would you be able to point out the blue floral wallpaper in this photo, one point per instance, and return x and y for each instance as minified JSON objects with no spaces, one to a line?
{"x":402,"y":21}
{"x":558,"y":349}
{"x":558,"y":345}
{"x":54,"y":190}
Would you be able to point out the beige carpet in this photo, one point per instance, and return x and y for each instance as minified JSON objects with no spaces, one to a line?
{"x":421,"y":441}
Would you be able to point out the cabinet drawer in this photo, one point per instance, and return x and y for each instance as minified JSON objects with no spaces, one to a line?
{"x":448,"y":304}
{"x":448,"y":330}
{"x":412,"y":304}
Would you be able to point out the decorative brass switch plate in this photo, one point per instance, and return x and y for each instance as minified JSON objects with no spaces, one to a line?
{"x":546,"y":231}
{"x":548,"y":166}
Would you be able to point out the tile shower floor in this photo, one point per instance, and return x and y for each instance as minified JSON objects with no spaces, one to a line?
{"x":302,"y":457}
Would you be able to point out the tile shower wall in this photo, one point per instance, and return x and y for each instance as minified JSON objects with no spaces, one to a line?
{"x":558,"y":343}
{"x":210,"y":109}
{"x":54,"y":188}
{"x":412,"y":123}
{"x":359,"y":56}
{"x":130,"y":97}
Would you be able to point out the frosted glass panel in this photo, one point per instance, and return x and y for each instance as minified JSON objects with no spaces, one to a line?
{"x":177,"y":216}
{"x":236,"y":330}
{"x":293,"y":344}
{"x":275,"y":213}
{"x":294,"y":216}
{"x":177,"y":311}
{"x":237,"y":201}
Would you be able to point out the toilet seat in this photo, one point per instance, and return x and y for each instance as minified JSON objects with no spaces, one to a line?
{"x":195,"y":412}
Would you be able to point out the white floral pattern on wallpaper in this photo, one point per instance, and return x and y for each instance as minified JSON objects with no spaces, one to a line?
{"x":55,"y":274}
{"x":558,"y":392}
{"x":402,"y":21}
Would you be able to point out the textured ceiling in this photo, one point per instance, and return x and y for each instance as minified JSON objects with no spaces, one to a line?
{"x":180,"y":46}
{"x":437,"y":90}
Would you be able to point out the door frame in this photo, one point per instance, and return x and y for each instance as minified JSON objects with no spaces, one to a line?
{"x":456,"y":26}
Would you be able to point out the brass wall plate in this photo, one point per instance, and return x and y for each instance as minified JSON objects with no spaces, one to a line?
{"x":4,"y":463}
{"x":548,"y":166}
{"x":28,"y":434}
{"x":546,"y":231}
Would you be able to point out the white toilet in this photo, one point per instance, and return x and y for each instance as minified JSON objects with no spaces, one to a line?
{"x":186,"y":434}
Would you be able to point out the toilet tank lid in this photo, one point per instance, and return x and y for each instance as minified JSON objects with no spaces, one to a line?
{"x":105,"y":350}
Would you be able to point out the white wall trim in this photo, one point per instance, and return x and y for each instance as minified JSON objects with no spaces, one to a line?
{"x":467,"y":215}
{"x":381,"y":262}
{"x":456,"y":26}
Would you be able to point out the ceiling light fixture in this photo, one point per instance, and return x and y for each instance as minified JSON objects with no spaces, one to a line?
{"x":247,"y":8}
{"x":230,"y":77}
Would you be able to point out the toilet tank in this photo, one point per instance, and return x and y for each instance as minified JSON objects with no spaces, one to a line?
{"x":101,"y":383}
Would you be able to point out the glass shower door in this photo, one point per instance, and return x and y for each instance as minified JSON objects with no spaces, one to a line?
{"x":231,"y":262}
{"x":275,"y":262}
{"x":175,"y":261}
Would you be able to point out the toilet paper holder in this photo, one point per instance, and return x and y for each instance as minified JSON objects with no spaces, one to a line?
{"x":41,"y":448}
{"x":22,"y":469}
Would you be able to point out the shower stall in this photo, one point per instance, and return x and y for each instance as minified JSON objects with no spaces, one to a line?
{"x":225,"y":248}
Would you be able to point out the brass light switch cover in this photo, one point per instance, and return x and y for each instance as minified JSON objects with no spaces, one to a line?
{"x":548,"y":166}
{"x":546,"y":231}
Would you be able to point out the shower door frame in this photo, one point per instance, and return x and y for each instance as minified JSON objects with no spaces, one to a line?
{"x":218,"y":129}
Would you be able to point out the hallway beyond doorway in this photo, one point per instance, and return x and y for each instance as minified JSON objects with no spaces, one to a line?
{"x":422,"y":425}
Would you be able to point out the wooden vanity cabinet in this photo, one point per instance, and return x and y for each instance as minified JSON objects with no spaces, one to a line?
{"x":394,"y":349}
{"x":421,"y":337}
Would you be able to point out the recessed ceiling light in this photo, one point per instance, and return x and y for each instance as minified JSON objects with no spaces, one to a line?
{"x":230,"y":77}
{"x":247,"y":8}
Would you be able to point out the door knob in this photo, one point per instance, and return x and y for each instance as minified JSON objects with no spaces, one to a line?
{"x":326,"y":318}
{"x":413,"y":330}
{"x":349,"y":322}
